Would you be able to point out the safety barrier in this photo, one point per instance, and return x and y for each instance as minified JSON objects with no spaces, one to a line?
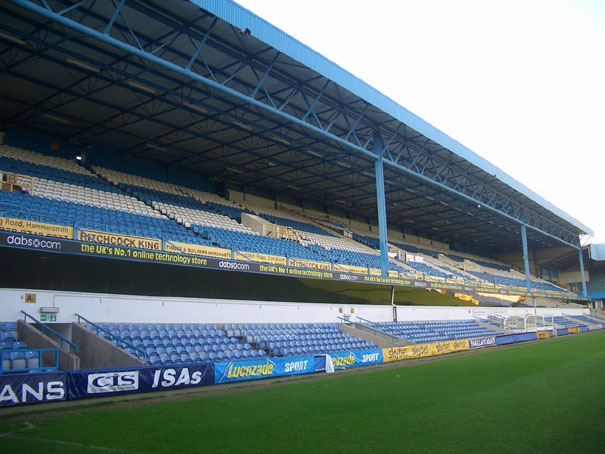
{"x":45,"y":329}
{"x":117,"y":340}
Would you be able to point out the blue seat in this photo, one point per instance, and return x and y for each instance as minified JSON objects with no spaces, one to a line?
{"x":18,"y":360}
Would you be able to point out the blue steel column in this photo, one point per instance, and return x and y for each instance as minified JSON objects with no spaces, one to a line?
{"x":382,"y":210}
{"x":582,"y":271}
{"x":525,"y":257}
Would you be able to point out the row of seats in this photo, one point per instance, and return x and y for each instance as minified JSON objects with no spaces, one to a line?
{"x":167,"y":211}
{"x":14,"y":355}
{"x":167,"y":344}
{"x":435,"y":331}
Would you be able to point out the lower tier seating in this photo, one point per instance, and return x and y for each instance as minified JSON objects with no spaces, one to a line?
{"x":435,"y":331}
{"x":15,"y":357}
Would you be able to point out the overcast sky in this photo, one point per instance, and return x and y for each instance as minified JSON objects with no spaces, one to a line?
{"x":519,"y":82}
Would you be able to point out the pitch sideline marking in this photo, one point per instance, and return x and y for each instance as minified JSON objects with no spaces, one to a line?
{"x":29,"y":426}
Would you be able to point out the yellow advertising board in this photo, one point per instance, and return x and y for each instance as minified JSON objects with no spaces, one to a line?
{"x":574,"y":330}
{"x":443,"y":348}
{"x":350,"y":269}
{"x":408,"y":352}
{"x":542,"y":334}
{"x":261,"y":258}
{"x":423,"y":350}
{"x":92,"y":236}
{"x":323,"y":266}
{"x":393,"y":274}
{"x":195,"y":249}
{"x":36,"y":228}
{"x":375,"y":272}
{"x":434,"y":278}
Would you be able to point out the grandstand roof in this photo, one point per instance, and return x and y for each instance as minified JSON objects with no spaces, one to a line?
{"x":210,"y":87}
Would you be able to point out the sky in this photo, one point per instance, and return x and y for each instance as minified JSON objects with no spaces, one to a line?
{"x":519,"y":82}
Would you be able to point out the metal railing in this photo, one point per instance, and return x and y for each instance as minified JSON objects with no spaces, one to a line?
{"x":119,"y":340}
{"x":372,"y":330}
{"x":5,"y":355}
{"x":46,"y":329}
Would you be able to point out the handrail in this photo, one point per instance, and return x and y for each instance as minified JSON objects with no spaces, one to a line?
{"x":374,"y":330}
{"x":119,"y":340}
{"x":72,"y":347}
{"x":38,"y":351}
{"x":377,"y":331}
{"x":346,"y":321}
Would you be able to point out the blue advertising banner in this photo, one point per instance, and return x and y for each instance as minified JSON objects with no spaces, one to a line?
{"x":514,"y":338}
{"x":562,"y":332}
{"x":484,"y":342}
{"x":232,"y":371}
{"x":356,"y":358}
{"x":504,"y":340}
{"x":524,"y":337}
{"x":31,"y":388}
{"x":100,"y":383}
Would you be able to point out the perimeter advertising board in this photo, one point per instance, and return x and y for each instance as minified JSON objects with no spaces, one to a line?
{"x":32,"y":388}
{"x":254,"y":369}
{"x":101,"y":383}
{"x":356,"y":358}
{"x":423,"y":350}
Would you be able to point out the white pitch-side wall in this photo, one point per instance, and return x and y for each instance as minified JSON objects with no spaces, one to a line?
{"x":147,"y":309}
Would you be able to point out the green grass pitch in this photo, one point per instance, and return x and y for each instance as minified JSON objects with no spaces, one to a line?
{"x":542,"y":397}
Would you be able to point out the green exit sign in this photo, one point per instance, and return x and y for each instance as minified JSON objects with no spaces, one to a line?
{"x":48,"y":318}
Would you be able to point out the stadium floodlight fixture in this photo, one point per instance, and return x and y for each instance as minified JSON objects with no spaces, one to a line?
{"x":156,"y":147}
{"x":12,"y":38}
{"x":344,"y":164}
{"x":196,"y":107}
{"x":291,"y":186}
{"x":241,"y":125}
{"x":368,"y":174}
{"x":279,"y":139}
{"x":141,"y":87}
{"x":83,"y":65}
{"x":55,"y":118}
{"x":234,"y":170}
{"x":314,"y":153}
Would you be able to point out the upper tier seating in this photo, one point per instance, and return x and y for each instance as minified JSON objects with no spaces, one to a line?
{"x":116,"y":202}
{"x":516,"y":282}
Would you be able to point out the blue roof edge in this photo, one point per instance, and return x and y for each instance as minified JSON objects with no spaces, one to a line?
{"x":268,"y":33}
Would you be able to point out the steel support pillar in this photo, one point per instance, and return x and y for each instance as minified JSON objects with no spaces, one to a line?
{"x":525,"y":258}
{"x":584,"y":293}
{"x":382,"y":210}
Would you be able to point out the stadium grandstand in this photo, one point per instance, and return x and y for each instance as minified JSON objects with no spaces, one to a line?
{"x":186,"y":186}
